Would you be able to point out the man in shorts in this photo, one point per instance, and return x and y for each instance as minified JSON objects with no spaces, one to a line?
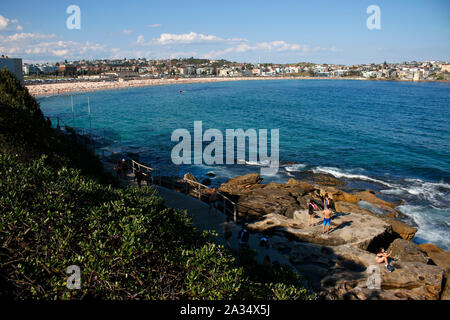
{"x":326,"y":220}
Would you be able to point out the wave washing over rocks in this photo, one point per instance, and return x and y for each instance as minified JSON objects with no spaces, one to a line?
{"x":337,"y":265}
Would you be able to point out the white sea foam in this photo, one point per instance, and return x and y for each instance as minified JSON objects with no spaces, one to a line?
{"x":254,"y":163}
{"x":436,"y":193}
{"x":295,"y":167}
{"x":433,"y":225}
{"x":349,"y":174}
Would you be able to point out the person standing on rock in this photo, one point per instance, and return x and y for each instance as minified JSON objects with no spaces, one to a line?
{"x":326,"y":220}
{"x":124,"y":168}
{"x":326,"y":201}
{"x":244,"y":237}
{"x":311,"y":207}
{"x":213,"y":200}
{"x":138,"y":175}
{"x":118,"y":169}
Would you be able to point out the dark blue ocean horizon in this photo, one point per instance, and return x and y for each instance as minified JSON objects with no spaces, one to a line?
{"x":391,"y":137}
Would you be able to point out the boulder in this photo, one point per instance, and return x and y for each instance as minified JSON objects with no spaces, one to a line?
{"x":386,"y":207}
{"x":404,"y":250}
{"x":339,"y":195}
{"x":300,"y":187}
{"x":321,"y":179}
{"x":415,"y":280}
{"x":271,"y":198}
{"x":430,"y":248}
{"x":442,"y":259}
{"x":402,"y":229}
{"x":240,"y":184}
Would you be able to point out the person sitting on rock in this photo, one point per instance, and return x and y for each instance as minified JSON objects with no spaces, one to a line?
{"x":383,"y":256}
{"x":326,"y":220}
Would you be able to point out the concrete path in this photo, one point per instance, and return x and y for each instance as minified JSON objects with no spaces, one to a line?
{"x":204,"y":219}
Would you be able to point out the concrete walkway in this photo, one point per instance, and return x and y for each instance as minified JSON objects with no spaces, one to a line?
{"x":205,"y":220}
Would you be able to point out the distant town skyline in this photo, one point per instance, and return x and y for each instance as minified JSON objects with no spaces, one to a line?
{"x":323,"y":31}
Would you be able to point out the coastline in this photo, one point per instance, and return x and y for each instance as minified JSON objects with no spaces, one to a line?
{"x":50,"y":89}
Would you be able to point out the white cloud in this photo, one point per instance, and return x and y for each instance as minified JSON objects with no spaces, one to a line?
{"x":271,"y":46}
{"x":183,"y":54}
{"x":60,"y":53}
{"x":192,"y":37}
{"x":35,"y":45}
{"x":140,"y":39}
{"x":27,"y":37}
{"x":155,"y":25}
{"x":3,"y":22}
{"x":127,"y":32}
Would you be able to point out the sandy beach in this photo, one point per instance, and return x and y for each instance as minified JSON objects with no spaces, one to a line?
{"x":49,"y":89}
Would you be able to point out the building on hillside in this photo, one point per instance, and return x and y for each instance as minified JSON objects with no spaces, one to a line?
{"x":445,"y":68}
{"x":14,"y":65}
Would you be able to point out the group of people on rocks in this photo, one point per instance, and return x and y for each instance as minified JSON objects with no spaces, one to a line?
{"x":328,"y":206}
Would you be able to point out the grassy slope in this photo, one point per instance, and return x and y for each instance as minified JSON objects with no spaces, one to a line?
{"x":57,"y":209}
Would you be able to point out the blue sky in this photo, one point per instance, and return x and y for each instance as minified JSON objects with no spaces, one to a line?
{"x":281,"y":31}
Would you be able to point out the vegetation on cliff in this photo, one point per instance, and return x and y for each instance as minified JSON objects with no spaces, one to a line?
{"x":58,"y":209}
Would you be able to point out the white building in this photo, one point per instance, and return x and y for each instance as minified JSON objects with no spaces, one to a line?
{"x":14,"y":65}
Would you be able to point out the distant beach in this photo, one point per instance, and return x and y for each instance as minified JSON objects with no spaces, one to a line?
{"x":49,"y":89}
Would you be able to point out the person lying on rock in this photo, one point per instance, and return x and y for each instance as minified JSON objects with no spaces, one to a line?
{"x":327,"y":213}
{"x":383,"y":256}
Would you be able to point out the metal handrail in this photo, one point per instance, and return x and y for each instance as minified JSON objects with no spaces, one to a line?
{"x":187,"y":182}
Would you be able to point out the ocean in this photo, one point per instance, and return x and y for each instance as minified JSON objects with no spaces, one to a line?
{"x":390,"y":137}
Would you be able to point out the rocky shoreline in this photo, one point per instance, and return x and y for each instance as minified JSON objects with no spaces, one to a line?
{"x":340,"y":265}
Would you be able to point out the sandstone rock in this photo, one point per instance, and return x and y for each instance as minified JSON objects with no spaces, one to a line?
{"x":430,"y":248}
{"x":414,"y":280}
{"x":404,"y":230}
{"x":339,"y":195}
{"x":399,"y":228}
{"x":321,"y":179}
{"x":370,"y":197}
{"x":342,"y":272}
{"x":348,"y":207}
{"x":356,"y":229}
{"x":442,"y":259}
{"x":300,"y":187}
{"x":385,"y":207}
{"x":405,"y":250}
{"x":190,"y":176}
{"x":240,"y":184}
{"x":266,"y":200}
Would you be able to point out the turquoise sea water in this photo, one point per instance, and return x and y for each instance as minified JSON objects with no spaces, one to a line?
{"x":391,"y":137}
